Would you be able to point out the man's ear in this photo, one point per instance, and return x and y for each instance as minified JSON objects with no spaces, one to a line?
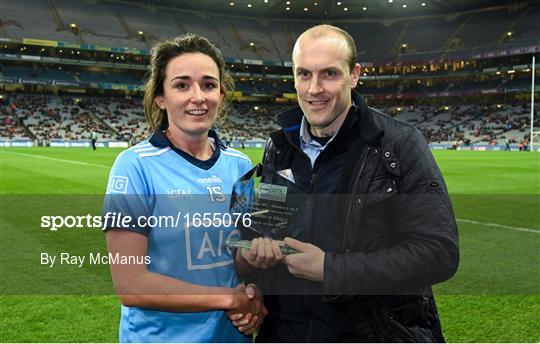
{"x":355,"y":75}
{"x":160,"y":102}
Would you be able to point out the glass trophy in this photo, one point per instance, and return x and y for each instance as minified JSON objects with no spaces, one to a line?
{"x":267,"y":209}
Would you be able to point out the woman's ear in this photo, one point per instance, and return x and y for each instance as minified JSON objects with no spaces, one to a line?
{"x":222,"y":92}
{"x":160,"y":102}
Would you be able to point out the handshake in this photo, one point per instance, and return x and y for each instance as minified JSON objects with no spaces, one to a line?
{"x":303,"y":260}
{"x":247,"y":309}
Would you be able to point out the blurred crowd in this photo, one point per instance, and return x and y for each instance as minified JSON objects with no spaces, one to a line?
{"x":48,"y":117}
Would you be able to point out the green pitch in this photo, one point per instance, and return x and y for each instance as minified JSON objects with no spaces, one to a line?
{"x":494,"y":297}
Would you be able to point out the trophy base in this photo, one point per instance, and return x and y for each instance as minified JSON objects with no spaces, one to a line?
{"x":246,"y":244}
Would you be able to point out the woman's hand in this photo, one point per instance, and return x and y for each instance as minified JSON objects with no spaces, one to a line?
{"x":248,"y":310}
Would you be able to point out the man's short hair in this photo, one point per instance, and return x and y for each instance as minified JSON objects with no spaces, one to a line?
{"x":325,"y":29}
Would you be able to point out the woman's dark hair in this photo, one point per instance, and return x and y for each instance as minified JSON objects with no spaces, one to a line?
{"x":165,"y":51}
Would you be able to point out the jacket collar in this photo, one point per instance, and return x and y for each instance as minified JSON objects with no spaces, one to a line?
{"x":368,"y":131}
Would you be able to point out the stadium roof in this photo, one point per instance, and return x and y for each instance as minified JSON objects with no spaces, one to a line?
{"x":330,"y":9}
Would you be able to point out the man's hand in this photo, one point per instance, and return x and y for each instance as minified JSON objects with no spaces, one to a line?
{"x":264,"y":252}
{"x":308,"y":264}
{"x":248,"y":321}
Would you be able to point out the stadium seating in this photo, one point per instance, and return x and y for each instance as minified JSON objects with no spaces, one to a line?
{"x":118,"y":24}
{"x":379,"y":45}
{"x":53,"y":117}
{"x":108,"y":77}
{"x":23,"y":21}
{"x":121,"y":118}
{"x":469,"y":123}
{"x":117,"y":118}
{"x":156,"y":25}
{"x":9,"y":129}
{"x":193,"y":23}
{"x":37,"y":73}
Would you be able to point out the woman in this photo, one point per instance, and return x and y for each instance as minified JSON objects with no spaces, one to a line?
{"x":176,"y":281}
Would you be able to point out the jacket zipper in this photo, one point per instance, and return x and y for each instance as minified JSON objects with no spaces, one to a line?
{"x":310,"y":329}
{"x":313,"y":180}
{"x":314,"y":177}
{"x":355,"y":185}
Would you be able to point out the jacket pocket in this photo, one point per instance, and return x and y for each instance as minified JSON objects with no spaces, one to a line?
{"x":434,"y":185}
{"x":412,"y":322}
{"x":381,"y":189}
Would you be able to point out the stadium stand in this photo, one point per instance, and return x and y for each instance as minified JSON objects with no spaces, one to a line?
{"x":469,"y":124}
{"x":192,"y":23}
{"x":36,"y":21}
{"x":37,"y":73}
{"x":52,"y":117}
{"x":117,"y":24}
{"x":73,"y":118}
{"x":98,"y":22}
{"x":155,"y":25}
{"x":9,"y":128}
{"x":119,"y":118}
{"x":109,"y":77}
{"x":434,"y":71}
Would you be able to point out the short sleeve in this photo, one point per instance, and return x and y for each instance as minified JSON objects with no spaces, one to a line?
{"x":245,"y":166}
{"x":129,"y":195}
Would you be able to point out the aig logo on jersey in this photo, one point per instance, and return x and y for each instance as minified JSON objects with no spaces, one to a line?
{"x":118,"y":184}
{"x":205,"y":248}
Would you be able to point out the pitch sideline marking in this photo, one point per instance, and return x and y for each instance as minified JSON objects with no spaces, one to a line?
{"x":530,"y":230}
{"x":57,"y":159}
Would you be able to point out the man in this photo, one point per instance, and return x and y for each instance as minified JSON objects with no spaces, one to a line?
{"x":376,"y":228}
{"x":93,"y":137}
